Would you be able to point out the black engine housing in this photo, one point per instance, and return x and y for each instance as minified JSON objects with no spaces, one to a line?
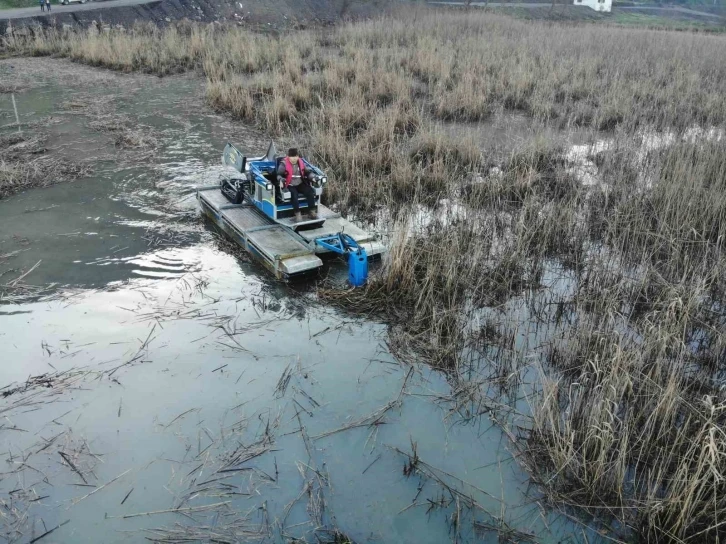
{"x":234,"y":189}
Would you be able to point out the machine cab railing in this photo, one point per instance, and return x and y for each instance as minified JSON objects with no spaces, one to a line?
{"x":269,"y":193}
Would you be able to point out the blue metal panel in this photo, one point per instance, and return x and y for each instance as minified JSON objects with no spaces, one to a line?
{"x":357,"y":267}
{"x":267,"y":205}
{"x":268,"y":208}
{"x":301,"y":202}
{"x":259,"y":178}
{"x":343,"y":244}
{"x":258,"y":168}
{"x":332,"y":243}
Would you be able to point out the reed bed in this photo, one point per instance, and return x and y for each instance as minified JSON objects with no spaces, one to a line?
{"x":610,"y":291}
{"x":363,"y":91}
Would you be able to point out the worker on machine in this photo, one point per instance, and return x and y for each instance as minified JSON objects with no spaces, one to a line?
{"x":293,"y":176}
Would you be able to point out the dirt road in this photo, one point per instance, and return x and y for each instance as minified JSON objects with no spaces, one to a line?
{"x":673,"y":9}
{"x":657,"y":9}
{"x":21,"y":13}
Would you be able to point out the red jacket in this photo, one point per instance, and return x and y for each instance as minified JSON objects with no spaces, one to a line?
{"x":289,"y":169}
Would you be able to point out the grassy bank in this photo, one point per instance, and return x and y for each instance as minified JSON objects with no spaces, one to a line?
{"x":665,"y":19}
{"x":610,"y":291}
{"x":12,"y":4}
{"x":648,"y":20}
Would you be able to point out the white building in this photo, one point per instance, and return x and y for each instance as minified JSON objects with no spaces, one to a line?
{"x":597,"y":5}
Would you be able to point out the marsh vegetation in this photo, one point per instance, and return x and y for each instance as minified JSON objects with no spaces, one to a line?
{"x":600,"y":302}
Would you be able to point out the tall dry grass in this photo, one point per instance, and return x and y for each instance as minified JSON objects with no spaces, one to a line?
{"x":361,"y":91}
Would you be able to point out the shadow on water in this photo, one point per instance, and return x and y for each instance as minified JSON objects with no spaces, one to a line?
{"x":186,"y":396}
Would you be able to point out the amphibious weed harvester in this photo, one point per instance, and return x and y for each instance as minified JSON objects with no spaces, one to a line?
{"x":254,"y":208}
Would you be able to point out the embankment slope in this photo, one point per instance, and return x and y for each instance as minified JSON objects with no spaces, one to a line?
{"x":276,"y":14}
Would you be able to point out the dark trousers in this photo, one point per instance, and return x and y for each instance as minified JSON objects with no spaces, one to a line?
{"x":48,"y":6}
{"x":42,"y":7}
{"x":306,"y":190}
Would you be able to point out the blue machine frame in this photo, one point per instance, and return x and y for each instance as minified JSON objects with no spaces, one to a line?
{"x":343,"y":244}
{"x":256,"y":186}
{"x":263,"y":196}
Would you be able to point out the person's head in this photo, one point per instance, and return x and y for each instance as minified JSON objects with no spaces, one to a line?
{"x":293,"y":154}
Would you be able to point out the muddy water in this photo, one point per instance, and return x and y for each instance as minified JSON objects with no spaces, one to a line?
{"x":186,"y":379}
